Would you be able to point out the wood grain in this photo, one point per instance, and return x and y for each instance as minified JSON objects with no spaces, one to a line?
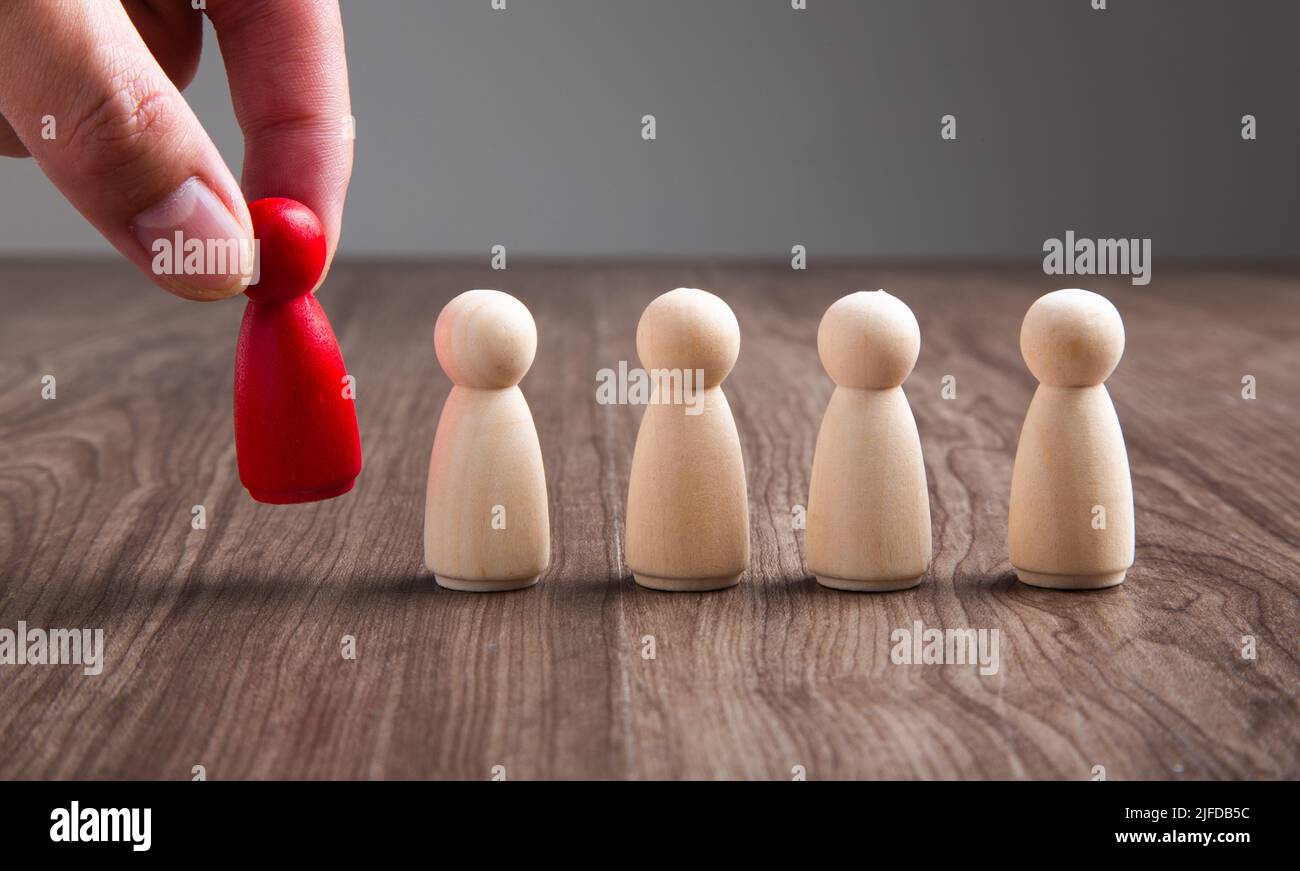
{"x":223,"y":644}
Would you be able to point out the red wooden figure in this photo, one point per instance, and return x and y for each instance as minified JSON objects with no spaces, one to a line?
{"x":295,"y":420}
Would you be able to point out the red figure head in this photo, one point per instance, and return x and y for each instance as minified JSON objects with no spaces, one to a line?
{"x":291,"y":249}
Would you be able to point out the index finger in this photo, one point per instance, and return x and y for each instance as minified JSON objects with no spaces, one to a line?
{"x":289,"y":85}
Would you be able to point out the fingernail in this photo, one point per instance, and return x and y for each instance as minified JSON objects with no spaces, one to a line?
{"x":194,"y":242}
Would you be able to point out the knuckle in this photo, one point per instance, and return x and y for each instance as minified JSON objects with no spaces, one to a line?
{"x":274,"y":125}
{"x":117,"y":127}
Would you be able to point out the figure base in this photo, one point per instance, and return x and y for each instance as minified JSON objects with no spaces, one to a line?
{"x":486,"y":585}
{"x":293,"y":497}
{"x":855,"y":585}
{"x":686,"y":585}
{"x":1071,"y":582}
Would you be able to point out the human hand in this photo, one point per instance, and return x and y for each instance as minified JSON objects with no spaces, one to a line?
{"x":90,"y":88}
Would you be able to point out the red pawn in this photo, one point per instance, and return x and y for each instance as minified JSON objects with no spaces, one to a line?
{"x":295,"y":422}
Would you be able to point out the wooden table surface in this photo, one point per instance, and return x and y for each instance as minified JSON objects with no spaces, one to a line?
{"x":224,"y":644}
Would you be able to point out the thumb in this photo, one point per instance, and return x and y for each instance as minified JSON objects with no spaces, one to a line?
{"x":107,"y":126}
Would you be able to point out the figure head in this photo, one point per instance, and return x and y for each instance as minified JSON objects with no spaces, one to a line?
{"x":1072,"y":338}
{"x":290,"y":249}
{"x":868,"y":340}
{"x":485,"y":338}
{"x":689,"y":329}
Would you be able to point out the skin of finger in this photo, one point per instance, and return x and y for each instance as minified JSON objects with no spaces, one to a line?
{"x":125,"y":136}
{"x":174,"y":35}
{"x":289,"y":83}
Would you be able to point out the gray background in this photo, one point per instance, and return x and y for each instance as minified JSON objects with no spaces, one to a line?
{"x":821,"y":127}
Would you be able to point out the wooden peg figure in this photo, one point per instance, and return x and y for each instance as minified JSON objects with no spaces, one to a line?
{"x":296,"y":436}
{"x":687,"y":503}
{"x":1071,"y":520}
{"x":485,"y":520}
{"x":868,"y":502}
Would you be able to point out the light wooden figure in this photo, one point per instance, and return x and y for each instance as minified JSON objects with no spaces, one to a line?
{"x":868,"y":503}
{"x":687,"y":503}
{"x":1071,"y":520}
{"x":485,"y":517}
